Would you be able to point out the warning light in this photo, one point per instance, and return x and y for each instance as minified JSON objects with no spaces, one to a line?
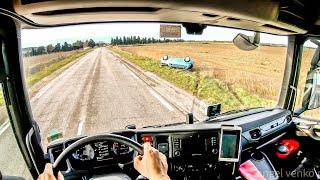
{"x":147,"y":138}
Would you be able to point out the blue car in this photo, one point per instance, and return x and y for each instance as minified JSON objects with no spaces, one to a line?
{"x":174,"y":62}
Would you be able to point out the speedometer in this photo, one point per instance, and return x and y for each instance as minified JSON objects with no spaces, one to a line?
{"x":85,"y":153}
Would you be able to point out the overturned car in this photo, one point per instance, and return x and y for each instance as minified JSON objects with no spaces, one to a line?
{"x":177,"y":62}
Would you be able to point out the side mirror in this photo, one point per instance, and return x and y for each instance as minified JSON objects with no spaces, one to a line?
{"x":247,"y":43}
{"x":311,"y":99}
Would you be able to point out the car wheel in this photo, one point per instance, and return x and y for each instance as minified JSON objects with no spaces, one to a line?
{"x":189,"y":68}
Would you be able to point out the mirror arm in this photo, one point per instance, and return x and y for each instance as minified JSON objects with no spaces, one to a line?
{"x":256,"y":39}
{"x":299,"y":111}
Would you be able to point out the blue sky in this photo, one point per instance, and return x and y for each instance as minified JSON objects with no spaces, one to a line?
{"x":104,"y":32}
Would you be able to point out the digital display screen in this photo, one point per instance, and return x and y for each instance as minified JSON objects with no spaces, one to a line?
{"x":193,"y":146}
{"x":229,"y":147}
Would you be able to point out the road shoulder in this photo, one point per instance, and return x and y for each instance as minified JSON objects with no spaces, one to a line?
{"x":181,"y":99}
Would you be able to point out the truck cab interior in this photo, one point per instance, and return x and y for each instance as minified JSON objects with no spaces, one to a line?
{"x":276,"y":143}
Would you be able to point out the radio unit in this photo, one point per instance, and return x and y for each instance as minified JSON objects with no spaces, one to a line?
{"x":192,"y":145}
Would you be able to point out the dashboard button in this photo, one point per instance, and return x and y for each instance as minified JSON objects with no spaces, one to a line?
{"x":255,"y":134}
{"x":215,"y":151}
{"x":177,"y":153}
{"x":282,"y":149}
{"x":163,"y":147}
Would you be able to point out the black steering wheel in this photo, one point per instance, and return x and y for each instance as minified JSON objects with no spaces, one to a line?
{"x":86,"y":140}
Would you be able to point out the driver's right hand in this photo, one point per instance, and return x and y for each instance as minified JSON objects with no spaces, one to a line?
{"x":153,"y":164}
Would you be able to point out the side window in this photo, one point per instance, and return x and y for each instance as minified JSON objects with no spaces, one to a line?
{"x":307,"y":80}
{"x":11,"y":160}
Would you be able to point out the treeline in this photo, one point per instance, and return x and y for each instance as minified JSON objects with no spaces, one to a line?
{"x":34,"y":51}
{"x":138,"y":40}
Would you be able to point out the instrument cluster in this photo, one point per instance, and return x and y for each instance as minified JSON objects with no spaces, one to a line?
{"x":102,"y":151}
{"x":93,"y":155}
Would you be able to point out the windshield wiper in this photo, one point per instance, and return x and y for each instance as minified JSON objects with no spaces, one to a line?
{"x":214,"y":118}
{"x":164,"y":125}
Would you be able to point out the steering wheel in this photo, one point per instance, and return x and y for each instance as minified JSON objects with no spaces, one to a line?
{"x":86,"y":140}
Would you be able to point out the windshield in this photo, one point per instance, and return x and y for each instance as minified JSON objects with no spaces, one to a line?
{"x":90,"y":79}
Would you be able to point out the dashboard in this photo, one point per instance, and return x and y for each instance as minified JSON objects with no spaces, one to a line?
{"x":193,"y":151}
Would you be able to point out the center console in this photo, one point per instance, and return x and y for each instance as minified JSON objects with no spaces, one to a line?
{"x":195,"y":155}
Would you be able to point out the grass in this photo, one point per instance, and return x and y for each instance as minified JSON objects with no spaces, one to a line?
{"x":1,"y":99}
{"x":201,"y":85}
{"x":46,"y":71}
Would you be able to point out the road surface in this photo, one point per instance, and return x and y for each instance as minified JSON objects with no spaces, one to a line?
{"x":11,"y":160}
{"x":99,"y":94}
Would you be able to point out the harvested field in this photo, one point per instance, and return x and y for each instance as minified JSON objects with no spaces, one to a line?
{"x":223,"y":61}
{"x":35,"y":63}
{"x":259,"y":72}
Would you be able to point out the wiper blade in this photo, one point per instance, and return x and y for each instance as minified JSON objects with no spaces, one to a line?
{"x":164,"y":125}
{"x":239,"y":110}
{"x":230,"y":112}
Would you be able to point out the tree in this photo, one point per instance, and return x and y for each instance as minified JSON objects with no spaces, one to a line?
{"x":77,"y":45}
{"x":57,"y":47}
{"x":135,"y":40}
{"x":41,"y":50}
{"x":124,"y":40}
{"x":91,"y":43}
{"x":64,"y":47}
{"x":116,"y":40}
{"x":138,"y":40}
{"x":112,"y":41}
{"x":120,"y":41}
{"x":50,"y":48}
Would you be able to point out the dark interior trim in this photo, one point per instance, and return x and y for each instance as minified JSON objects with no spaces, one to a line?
{"x":291,"y":74}
{"x":17,"y":102}
{"x":98,"y":9}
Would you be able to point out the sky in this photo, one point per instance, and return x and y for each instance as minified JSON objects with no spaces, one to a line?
{"x":104,"y":32}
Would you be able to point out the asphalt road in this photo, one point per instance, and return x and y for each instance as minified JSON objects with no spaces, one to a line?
{"x":11,"y":160}
{"x":99,"y":94}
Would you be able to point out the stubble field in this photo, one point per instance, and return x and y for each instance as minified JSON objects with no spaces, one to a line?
{"x":259,"y":72}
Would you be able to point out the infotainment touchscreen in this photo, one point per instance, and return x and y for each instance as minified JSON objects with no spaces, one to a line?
{"x":230,"y":143}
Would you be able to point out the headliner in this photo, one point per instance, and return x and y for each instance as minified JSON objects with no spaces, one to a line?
{"x":282,"y":17}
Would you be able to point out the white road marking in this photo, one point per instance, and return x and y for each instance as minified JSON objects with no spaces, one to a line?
{"x":84,"y":104}
{"x":80,"y":128}
{"x":134,"y":76}
{"x":4,"y":127}
{"x":162,"y":101}
{"x":43,"y":91}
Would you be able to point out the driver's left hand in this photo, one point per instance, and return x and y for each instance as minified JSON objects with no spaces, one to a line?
{"x":48,"y":174}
